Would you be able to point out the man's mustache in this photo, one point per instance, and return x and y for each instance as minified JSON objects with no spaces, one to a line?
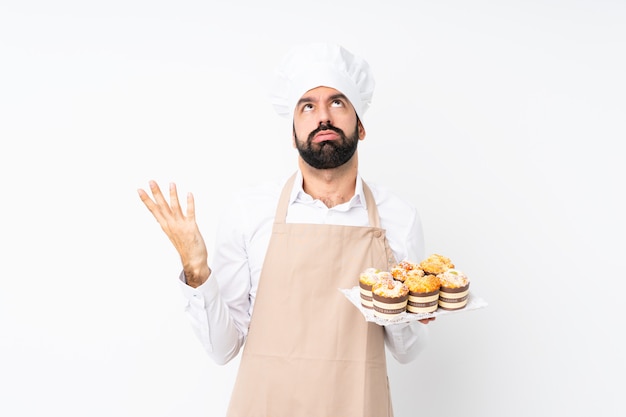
{"x":325,"y":126}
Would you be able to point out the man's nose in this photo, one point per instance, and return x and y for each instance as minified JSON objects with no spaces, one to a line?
{"x":324,"y":116}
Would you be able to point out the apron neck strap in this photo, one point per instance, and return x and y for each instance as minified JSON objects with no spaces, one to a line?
{"x":283,"y":203}
{"x":372,"y":210}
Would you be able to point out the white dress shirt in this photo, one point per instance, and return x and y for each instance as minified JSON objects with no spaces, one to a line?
{"x":220,"y":309}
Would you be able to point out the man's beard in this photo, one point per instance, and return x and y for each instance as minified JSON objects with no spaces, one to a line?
{"x":328,"y":154}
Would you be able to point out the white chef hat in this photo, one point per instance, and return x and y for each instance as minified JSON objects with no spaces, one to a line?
{"x":321,"y":64}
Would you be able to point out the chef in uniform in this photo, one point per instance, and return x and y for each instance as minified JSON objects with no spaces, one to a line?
{"x":283,"y":250}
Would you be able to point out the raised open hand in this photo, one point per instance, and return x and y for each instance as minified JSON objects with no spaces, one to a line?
{"x":181,"y":229}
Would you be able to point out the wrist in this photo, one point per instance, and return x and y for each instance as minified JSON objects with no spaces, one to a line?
{"x":194,"y":277}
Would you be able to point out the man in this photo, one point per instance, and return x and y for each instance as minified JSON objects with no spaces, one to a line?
{"x":284,"y":250}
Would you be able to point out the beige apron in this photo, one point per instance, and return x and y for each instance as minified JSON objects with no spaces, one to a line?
{"x":309,"y":351}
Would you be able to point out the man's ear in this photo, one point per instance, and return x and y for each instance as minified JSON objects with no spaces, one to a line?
{"x":361,"y":130}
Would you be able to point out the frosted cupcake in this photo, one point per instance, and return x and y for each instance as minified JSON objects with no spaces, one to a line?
{"x":454,"y":290}
{"x":423,"y":292}
{"x":389,"y":298}
{"x":367,"y":278}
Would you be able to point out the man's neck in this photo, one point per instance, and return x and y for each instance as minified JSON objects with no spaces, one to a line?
{"x":330,"y":186}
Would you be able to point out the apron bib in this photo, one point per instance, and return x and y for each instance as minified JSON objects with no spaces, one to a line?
{"x":309,"y":351}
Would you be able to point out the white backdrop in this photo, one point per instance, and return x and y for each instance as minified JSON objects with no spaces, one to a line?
{"x":502,"y":121}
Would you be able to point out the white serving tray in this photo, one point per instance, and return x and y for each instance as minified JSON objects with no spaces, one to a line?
{"x":353,"y":294}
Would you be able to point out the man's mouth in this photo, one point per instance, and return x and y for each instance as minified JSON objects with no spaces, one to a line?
{"x":325,"y":135}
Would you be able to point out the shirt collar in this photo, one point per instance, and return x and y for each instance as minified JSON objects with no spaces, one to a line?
{"x":298,"y":194}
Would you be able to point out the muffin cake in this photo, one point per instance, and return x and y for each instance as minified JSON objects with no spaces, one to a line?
{"x":389,"y":298}
{"x":423,"y":292}
{"x":367,"y":278}
{"x":436,"y":264}
{"x":454,"y":290}
{"x":401,"y":269}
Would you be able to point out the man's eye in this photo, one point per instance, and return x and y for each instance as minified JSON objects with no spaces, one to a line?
{"x":307,"y":107}
{"x":337,"y":103}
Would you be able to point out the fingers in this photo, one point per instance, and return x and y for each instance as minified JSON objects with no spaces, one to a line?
{"x":191,"y":207}
{"x":145,"y":198}
{"x":158,"y":205}
{"x":175,"y":204}
{"x":181,"y":230}
{"x":158,"y":197}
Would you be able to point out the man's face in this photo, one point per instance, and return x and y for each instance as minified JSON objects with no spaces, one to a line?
{"x":326,"y":129}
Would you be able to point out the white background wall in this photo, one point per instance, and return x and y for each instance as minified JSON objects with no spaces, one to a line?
{"x":502,"y":121}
